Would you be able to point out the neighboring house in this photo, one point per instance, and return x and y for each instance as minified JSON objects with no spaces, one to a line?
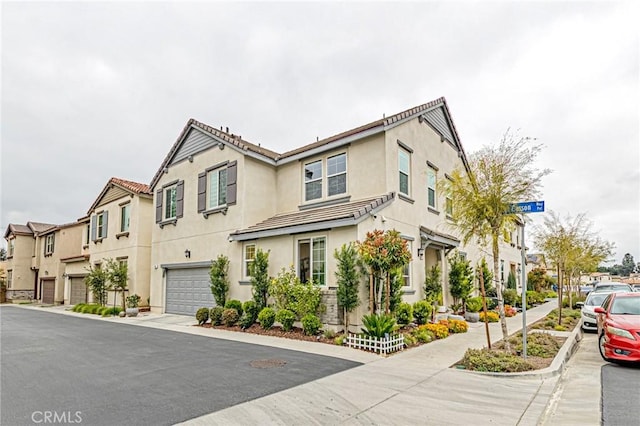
{"x":216,"y":193}
{"x":119,"y":227}
{"x":22,"y":269}
{"x":53,"y":248}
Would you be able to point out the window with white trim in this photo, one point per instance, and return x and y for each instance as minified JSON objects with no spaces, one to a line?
{"x":337,"y":174}
{"x":404,"y":171}
{"x":101,"y":229}
{"x":9,"y":278}
{"x":170,"y":202}
{"x":125,"y":217}
{"x":312,"y":260}
{"x":48,"y":244}
{"x":431,"y":187}
{"x":249,"y":257}
{"x":406,"y":269}
{"x":217,"y":188}
{"x":313,"y":180}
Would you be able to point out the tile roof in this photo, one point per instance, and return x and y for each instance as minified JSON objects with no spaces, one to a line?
{"x":319,"y":218}
{"x":30,"y":228}
{"x":138,"y":188}
{"x":39,"y":227}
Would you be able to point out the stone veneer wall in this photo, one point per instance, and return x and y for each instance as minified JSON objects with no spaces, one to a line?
{"x":20,"y":295}
{"x":332,"y":314}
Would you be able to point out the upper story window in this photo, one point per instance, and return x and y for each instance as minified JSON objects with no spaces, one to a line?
{"x":337,"y":174}
{"x":431,"y":187}
{"x":9,"y":278}
{"x":404,"y":171}
{"x":313,"y":180}
{"x":217,"y":193}
{"x":87,"y":235}
{"x":48,"y":244}
{"x":125,"y":217}
{"x":99,"y":225}
{"x":406,"y":269}
{"x":335,"y":181}
{"x":249,"y":257}
{"x":12,"y":246}
{"x":170,"y":202}
{"x":312,"y":260}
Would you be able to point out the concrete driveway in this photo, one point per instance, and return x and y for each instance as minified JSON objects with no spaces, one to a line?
{"x":103,"y":373}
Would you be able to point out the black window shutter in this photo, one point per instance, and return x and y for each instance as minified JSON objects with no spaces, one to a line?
{"x":105,"y":223}
{"x":180,"y":199}
{"x":202,"y":191}
{"x":93,"y":227}
{"x":232,"y":182}
{"x":159,"y":206}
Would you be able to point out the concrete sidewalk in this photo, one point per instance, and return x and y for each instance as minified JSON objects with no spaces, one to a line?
{"x":412,"y":387}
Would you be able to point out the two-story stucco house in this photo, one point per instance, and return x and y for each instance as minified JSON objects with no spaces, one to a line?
{"x":119,"y":227}
{"x":216,"y":193}
{"x":22,"y":255}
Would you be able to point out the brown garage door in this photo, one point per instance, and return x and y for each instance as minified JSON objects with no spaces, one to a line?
{"x":78,"y":291}
{"x":48,"y":291}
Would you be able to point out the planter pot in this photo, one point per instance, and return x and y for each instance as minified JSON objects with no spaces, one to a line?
{"x":122,"y":314}
{"x":472,"y":316}
{"x":132,"y":312}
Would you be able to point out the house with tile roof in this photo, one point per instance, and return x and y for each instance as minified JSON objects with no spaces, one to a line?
{"x":218,"y":194}
{"x":118,"y":227}
{"x":22,"y":273}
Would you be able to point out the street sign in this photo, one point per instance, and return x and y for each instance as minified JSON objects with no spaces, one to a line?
{"x":527,"y":207}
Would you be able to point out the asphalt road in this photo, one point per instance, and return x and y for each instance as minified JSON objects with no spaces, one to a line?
{"x":60,"y":367}
{"x":620,"y":394}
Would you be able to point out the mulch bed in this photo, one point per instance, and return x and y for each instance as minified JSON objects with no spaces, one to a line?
{"x":295,"y":333}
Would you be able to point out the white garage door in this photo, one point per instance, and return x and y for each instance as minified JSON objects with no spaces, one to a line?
{"x":188,"y":290}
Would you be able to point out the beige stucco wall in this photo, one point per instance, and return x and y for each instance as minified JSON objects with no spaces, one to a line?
{"x":135,"y":247}
{"x":20,"y":263}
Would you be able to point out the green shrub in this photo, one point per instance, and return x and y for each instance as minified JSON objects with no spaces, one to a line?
{"x":251,"y":309}
{"x":423,"y":335}
{"x":329,"y":333}
{"x":534,"y":297}
{"x":560,"y":328}
{"x":474,"y":304}
{"x":78,"y":307}
{"x":495,"y":361}
{"x":289,"y":293}
{"x":84,"y":309}
{"x":311,"y":324}
{"x":422,"y":311}
{"x":409,"y":340}
{"x":246,"y":321}
{"x":378,"y":325}
{"x":543,"y":345}
{"x":113,"y":310}
{"x":202,"y":315}
{"x":550,"y":294}
{"x":510,"y":297}
{"x":491,"y":303}
{"x":286,"y":318}
{"x":234,"y":304}
{"x":230,"y":317}
{"x":404,"y":313}
{"x":340,"y":340}
{"x":216,"y":315}
{"x":267,"y":317}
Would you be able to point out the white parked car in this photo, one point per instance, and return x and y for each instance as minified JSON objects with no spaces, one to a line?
{"x":595,"y":298}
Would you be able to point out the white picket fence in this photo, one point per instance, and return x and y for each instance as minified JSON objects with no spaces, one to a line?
{"x":384,"y":345}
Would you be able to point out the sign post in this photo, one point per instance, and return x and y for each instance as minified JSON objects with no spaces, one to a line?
{"x":524,"y":208}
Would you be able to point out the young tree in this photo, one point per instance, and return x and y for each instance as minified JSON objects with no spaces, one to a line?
{"x":460,"y":279}
{"x":96,"y":281}
{"x":118,"y":275}
{"x":3,"y":254}
{"x":259,"y":270}
{"x":489,"y":289}
{"x":628,"y":265}
{"x":348,"y":279}
{"x":219,"y":277}
{"x":538,"y":280}
{"x":497,"y":176}
{"x":511,"y":281}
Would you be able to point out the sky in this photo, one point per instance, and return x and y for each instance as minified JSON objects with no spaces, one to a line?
{"x":93,"y":90}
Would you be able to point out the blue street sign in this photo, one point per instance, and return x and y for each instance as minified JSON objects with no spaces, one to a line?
{"x":528,"y":207}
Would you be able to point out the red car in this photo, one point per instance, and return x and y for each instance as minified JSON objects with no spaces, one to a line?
{"x":619,"y":327}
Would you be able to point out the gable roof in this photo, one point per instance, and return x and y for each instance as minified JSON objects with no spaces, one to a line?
{"x":31,"y":228}
{"x":126,"y":185}
{"x":335,"y":216}
{"x":435,"y":113}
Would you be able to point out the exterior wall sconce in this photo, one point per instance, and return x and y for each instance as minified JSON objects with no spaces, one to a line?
{"x":187,"y":253}
{"x":420,"y":252}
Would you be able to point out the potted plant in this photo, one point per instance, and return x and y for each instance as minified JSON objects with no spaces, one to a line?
{"x":132,"y":305}
{"x":474,"y":305}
